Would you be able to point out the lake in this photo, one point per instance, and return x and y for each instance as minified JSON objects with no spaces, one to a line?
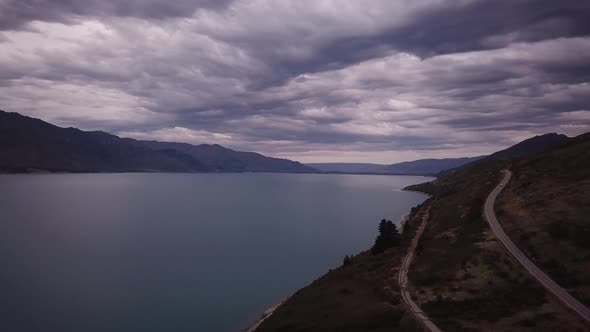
{"x":177,"y":252}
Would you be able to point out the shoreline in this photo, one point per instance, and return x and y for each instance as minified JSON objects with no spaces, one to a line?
{"x":268,"y":312}
{"x":265,"y":315}
{"x":33,"y":170}
{"x":418,"y":192}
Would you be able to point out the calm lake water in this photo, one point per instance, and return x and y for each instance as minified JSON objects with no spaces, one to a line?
{"x":177,"y":252}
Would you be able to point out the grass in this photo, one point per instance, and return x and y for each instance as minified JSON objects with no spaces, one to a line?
{"x":463,"y":278}
{"x":545,"y":208}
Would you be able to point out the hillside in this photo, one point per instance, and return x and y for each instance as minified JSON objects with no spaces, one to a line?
{"x":530,"y":146}
{"x":474,"y":282}
{"x":350,"y":168}
{"x":221,"y":159}
{"x":545,"y":208}
{"x":428,"y":166}
{"x":28,"y":144}
{"x":416,"y":167}
{"x":462,"y":277}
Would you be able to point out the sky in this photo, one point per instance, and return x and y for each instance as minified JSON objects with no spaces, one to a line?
{"x":311,"y":80}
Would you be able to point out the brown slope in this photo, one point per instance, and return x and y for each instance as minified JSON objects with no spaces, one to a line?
{"x":546,"y":209}
{"x":464,"y":277}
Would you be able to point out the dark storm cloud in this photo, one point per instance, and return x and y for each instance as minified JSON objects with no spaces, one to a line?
{"x":304,"y":79}
{"x":16,"y":13}
{"x":492,"y":24}
{"x":446,"y":29}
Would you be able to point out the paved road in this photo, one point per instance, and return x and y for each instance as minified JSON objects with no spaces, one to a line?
{"x":403,"y":280}
{"x":547,"y":282}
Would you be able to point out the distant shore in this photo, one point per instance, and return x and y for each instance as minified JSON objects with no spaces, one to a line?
{"x":69,"y":171}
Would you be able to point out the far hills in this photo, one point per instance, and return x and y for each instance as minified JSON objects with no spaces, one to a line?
{"x":29,"y":145}
{"x":437,"y":167}
{"x":416,"y":167}
{"x":32,"y":145}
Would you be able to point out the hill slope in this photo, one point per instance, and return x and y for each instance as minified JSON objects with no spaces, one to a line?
{"x":356,"y":168}
{"x":31,"y":144}
{"x":416,"y":167}
{"x":545,"y":209}
{"x":221,"y":159}
{"x":531,"y":146}
{"x":429,"y":166}
{"x":474,"y":281}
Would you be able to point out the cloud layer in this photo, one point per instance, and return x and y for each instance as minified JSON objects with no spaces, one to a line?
{"x":383,"y":81}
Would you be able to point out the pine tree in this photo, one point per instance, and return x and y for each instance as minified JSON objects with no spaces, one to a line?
{"x":388,"y":237}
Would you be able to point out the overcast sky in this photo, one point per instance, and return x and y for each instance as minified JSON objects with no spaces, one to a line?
{"x":311,"y":80}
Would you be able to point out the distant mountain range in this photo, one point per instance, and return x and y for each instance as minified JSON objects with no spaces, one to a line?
{"x":416,"y":167}
{"x":351,"y":168}
{"x":438,"y":167}
{"x":28,"y":144}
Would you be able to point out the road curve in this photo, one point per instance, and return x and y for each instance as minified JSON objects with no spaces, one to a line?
{"x":544,"y":279}
{"x":403,"y":280}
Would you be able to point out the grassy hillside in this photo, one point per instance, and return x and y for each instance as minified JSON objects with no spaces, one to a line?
{"x":464,"y":279}
{"x":546,"y":209}
{"x":474,"y":283}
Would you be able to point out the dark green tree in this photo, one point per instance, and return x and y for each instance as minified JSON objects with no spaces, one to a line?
{"x":388,"y":237}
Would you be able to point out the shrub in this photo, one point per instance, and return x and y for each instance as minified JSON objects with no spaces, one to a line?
{"x":347,"y":260}
{"x":558,"y":230}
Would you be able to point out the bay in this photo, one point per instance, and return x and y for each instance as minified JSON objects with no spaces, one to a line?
{"x":177,"y":252}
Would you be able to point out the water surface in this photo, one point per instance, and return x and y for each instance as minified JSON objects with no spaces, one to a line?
{"x":177,"y":252}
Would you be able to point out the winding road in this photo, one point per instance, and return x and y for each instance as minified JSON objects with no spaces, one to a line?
{"x":403,"y":280}
{"x":544,"y":279}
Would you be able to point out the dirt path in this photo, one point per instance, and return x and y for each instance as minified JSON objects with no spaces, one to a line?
{"x":403,"y":279}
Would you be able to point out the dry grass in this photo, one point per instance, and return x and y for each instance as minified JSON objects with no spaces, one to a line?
{"x":546,"y":209}
{"x":464,"y":278}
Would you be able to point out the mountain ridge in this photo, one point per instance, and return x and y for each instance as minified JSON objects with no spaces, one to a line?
{"x":427,"y":166}
{"x":440,"y":167}
{"x":29,"y":144}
